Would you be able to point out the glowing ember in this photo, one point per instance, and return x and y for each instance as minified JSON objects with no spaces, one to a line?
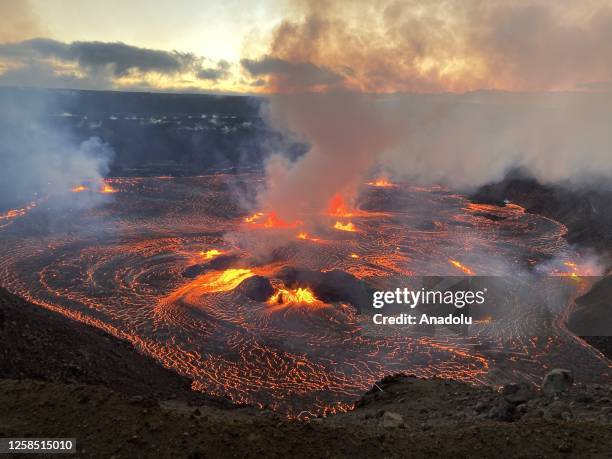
{"x":461,"y":267}
{"x":210,"y":254}
{"x":575,"y":270}
{"x":253,"y":218}
{"x":7,"y":217}
{"x":345,"y":226}
{"x":307,"y":237}
{"x":226,"y":280}
{"x":108,"y":189}
{"x":354,"y":255}
{"x":79,"y":189}
{"x":274,"y":222}
{"x":338,"y":207}
{"x":293,"y":296}
{"x":381,"y":182}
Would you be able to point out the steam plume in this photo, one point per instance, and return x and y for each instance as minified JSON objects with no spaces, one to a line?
{"x":462,"y":140}
{"x":40,"y":159}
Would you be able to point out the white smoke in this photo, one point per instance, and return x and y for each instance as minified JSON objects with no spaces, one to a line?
{"x":42,"y":159}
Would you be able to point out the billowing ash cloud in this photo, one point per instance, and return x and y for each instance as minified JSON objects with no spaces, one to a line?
{"x":41,"y":160}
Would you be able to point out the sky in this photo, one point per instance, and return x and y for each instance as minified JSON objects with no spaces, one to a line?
{"x":294,"y":46}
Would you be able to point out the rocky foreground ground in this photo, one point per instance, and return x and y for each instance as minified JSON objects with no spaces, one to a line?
{"x":61,"y":378}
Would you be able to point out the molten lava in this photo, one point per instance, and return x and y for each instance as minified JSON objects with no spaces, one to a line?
{"x":345,"y":226}
{"x":225,"y":280}
{"x":302,"y":235}
{"x":461,"y":267}
{"x":575,"y":270}
{"x":337,"y":206}
{"x":210,"y":254}
{"x":253,"y":218}
{"x":7,"y":217}
{"x":272,"y":221}
{"x":108,"y":189}
{"x":381,"y":182}
{"x":300,"y":295}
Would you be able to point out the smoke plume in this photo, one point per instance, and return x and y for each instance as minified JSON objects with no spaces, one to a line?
{"x":42,"y":160}
{"x":356,"y":112}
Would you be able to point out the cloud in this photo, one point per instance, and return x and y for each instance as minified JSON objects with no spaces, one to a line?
{"x":291,"y":74}
{"x":94,"y":55}
{"x":43,"y":74}
{"x":221,"y":71}
{"x":46,"y":62}
{"x":17,"y":21}
{"x":457,"y":46}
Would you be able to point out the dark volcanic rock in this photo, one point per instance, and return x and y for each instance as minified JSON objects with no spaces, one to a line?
{"x":330,"y":286}
{"x":557,"y":381}
{"x":194,"y":271}
{"x":257,"y":288}
{"x":218,"y":263}
{"x":503,"y":411}
{"x":587,"y":212}
{"x":39,"y":344}
{"x":517,"y":394}
{"x":592,"y":315}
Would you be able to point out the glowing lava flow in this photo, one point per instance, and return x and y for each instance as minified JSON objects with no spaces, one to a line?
{"x":461,"y":267}
{"x":300,"y":295}
{"x":210,"y":254}
{"x":382,"y":183}
{"x":253,"y":218}
{"x":225,"y":280}
{"x":345,"y":226}
{"x":6,"y":217}
{"x":294,"y":353}
{"x":108,"y":189}
{"x":338,"y":208}
{"x":272,"y":221}
{"x":304,"y":236}
{"x":79,"y":189}
{"x":575,"y":270}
